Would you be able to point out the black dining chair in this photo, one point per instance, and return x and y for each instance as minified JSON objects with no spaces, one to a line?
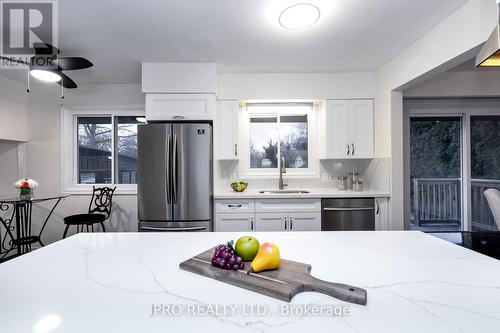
{"x":99,"y":211}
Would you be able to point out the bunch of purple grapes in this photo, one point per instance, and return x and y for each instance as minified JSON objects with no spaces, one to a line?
{"x":226,"y":258}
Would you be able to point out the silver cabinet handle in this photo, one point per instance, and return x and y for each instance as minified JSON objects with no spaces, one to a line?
{"x":251,"y":223}
{"x":291,"y":223}
{"x":234,"y":206}
{"x":174,"y":170}
{"x":286,"y":218}
{"x":178,"y":117}
{"x":352,"y":149}
{"x":168,"y":179}
{"x":235,"y":149}
{"x":378,"y":207}
{"x":173,"y":228}
{"x":335,"y":209}
{"x":348,"y":150}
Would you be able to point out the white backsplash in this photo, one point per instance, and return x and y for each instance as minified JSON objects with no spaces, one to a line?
{"x":375,"y":174}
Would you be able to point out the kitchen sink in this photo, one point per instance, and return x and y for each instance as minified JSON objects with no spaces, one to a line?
{"x":283,"y":191}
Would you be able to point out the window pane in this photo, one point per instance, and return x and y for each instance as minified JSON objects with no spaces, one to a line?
{"x":485,"y":169}
{"x":94,"y":150}
{"x":263,"y":142}
{"x":435,"y":172}
{"x":293,"y":141}
{"x":126,"y":149}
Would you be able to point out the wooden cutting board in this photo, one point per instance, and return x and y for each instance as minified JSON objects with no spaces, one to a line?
{"x":290,"y":279}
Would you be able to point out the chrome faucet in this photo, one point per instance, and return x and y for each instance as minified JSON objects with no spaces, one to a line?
{"x":281,"y":184}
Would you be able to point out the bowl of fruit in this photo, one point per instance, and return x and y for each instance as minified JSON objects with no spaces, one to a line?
{"x":239,"y":186}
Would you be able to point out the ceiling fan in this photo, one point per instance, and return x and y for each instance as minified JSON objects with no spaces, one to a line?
{"x":46,"y":65}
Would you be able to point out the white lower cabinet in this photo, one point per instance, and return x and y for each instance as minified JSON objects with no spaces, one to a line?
{"x":305,"y":221}
{"x":381,"y":213}
{"x":268,"y":215}
{"x":234,"y":222}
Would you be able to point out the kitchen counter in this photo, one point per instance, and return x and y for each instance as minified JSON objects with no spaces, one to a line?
{"x":251,"y":193}
{"x":111,"y":282}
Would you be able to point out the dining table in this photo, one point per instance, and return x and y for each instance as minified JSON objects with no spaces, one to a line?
{"x":16,"y":233}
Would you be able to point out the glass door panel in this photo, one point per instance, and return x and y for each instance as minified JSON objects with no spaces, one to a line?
{"x":485,"y":168}
{"x":436,"y":173}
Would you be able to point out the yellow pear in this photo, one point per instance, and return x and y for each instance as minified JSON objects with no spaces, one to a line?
{"x":267,"y":258}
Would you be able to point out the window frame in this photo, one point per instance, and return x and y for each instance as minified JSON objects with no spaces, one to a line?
{"x":312,"y":171}
{"x":69,"y":145}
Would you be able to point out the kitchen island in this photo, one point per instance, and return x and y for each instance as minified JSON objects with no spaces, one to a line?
{"x":131,"y":282}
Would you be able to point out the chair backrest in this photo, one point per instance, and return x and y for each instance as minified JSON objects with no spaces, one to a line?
{"x":493,"y":197}
{"x":102,"y":200}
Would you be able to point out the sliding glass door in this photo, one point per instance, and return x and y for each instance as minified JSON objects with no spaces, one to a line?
{"x":436,"y":173}
{"x":485,"y":168}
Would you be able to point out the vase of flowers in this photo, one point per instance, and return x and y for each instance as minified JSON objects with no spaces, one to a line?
{"x":25,"y":187}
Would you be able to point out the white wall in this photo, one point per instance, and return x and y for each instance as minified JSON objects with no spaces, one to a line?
{"x":44,"y":144}
{"x":8,"y":167}
{"x":451,"y":42}
{"x":459,"y":84}
{"x":296,"y":85}
{"x":13,"y":110}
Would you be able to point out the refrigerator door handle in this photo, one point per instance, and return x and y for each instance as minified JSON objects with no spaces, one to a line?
{"x":174,"y":170}
{"x":168,"y":178}
{"x":174,"y":228}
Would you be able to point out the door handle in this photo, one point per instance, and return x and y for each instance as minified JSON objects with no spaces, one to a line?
{"x":348,"y":150}
{"x":251,"y":223}
{"x":286,"y":218}
{"x":178,"y":117}
{"x":168,"y":178}
{"x":378,"y":207}
{"x":234,"y":206}
{"x":174,"y":170}
{"x":352,"y":149}
{"x":291,"y":223}
{"x":174,"y":228}
{"x":347,"y":209}
{"x":235,"y":149}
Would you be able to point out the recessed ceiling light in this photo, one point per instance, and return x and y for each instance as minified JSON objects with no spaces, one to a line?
{"x":44,"y":75}
{"x":299,"y":16}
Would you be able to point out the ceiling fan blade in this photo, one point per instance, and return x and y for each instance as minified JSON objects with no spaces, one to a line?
{"x":44,"y":48}
{"x":66,"y":81}
{"x":71,"y":63}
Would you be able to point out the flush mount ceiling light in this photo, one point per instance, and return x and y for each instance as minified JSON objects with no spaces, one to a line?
{"x":45,"y":75}
{"x":299,"y":16}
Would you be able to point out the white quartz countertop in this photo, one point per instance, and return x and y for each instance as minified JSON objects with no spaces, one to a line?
{"x":111,"y":282}
{"x":251,"y":193}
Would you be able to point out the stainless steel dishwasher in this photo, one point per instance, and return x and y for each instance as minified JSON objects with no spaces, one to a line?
{"x":348,"y":214}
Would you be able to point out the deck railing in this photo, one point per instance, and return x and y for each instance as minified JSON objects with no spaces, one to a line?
{"x":437,"y":202}
{"x":482,"y":219}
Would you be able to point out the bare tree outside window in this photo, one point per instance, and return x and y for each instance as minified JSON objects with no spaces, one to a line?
{"x":94,"y":150}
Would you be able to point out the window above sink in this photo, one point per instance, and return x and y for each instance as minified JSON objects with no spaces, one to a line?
{"x":274,"y":130}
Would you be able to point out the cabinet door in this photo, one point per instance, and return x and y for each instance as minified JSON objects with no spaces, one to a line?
{"x":179,"y":107}
{"x":337,"y":129}
{"x":305,"y":221}
{"x":361,"y":129}
{"x":271,"y":222}
{"x":381,"y":214}
{"x":234,"y":222}
{"x":228,"y":130}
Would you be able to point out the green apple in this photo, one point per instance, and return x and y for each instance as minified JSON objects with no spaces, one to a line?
{"x":247,"y":247}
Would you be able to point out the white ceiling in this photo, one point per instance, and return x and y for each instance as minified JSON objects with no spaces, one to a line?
{"x":240,"y":35}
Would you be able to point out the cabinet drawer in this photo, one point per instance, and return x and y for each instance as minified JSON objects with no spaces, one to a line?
{"x":233,"y":206}
{"x":287,"y":205}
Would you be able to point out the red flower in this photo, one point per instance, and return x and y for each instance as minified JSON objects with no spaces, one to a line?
{"x":26,"y":184}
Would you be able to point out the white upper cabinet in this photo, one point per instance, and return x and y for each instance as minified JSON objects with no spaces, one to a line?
{"x":180,"y":107}
{"x":228,"y":122}
{"x":348,"y":129}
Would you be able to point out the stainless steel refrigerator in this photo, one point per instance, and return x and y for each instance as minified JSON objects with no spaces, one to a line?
{"x":174,"y":177}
